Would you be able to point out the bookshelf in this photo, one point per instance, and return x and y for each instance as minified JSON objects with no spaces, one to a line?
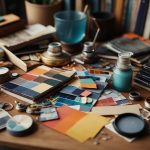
{"x":130,"y":15}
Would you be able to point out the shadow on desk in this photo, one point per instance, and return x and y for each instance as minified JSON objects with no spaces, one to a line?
{"x":6,"y":148}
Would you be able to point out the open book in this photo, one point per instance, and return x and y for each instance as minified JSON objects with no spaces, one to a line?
{"x":32,"y":34}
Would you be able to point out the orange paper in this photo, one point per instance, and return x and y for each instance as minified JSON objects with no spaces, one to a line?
{"x":69,"y":121}
{"x":63,"y":112}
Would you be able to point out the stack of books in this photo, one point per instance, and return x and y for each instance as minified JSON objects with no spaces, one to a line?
{"x":127,"y":43}
{"x":31,"y":35}
{"x":34,"y":85}
{"x":142,"y":78}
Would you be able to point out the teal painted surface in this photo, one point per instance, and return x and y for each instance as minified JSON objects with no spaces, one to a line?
{"x":122,"y":80}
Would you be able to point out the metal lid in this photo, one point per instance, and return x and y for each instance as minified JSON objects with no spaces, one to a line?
{"x":88,"y":47}
{"x":54,"y":49}
{"x":129,"y":124}
{"x":124,"y":60}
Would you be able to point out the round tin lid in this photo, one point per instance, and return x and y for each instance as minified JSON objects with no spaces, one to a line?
{"x":129,"y":124}
{"x":19,"y":125}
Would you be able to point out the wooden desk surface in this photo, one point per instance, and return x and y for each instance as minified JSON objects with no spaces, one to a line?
{"x":45,"y":138}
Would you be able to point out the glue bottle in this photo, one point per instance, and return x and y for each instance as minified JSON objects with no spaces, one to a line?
{"x":122,"y":73}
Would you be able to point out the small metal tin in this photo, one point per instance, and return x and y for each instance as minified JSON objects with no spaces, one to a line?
{"x":21,"y":106}
{"x":134,"y":95}
{"x":54,"y":56}
{"x":14,"y":75}
{"x":129,"y":125}
{"x":6,"y":106}
{"x":88,"y":53}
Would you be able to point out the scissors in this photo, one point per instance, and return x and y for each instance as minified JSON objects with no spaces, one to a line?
{"x":6,"y":106}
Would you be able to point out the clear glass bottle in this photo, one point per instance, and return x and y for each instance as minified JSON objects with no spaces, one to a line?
{"x":122,"y":73}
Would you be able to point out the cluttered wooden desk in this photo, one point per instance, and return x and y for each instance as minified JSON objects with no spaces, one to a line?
{"x":76,"y":100}
{"x":46,"y":138}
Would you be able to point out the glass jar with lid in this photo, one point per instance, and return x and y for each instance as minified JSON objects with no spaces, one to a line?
{"x":122,"y":73}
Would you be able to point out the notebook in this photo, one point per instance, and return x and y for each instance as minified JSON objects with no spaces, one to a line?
{"x":33,"y":85}
{"x":122,"y":44}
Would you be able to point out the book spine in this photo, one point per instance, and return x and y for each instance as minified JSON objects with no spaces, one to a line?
{"x":143,"y":77}
{"x":147,"y":66}
{"x":146,"y":33}
{"x":128,"y":15}
{"x":94,"y":5}
{"x":140,"y":81}
{"x":145,"y":71}
{"x":118,"y":13}
{"x":102,"y":6}
{"x":142,"y":86}
{"x":2,"y":7}
{"x":124,"y":18}
{"x":141,"y":17}
{"x":69,"y":4}
{"x":134,"y":13}
{"x":79,"y":5}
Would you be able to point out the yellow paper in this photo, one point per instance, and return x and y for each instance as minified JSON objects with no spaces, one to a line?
{"x":87,"y":127}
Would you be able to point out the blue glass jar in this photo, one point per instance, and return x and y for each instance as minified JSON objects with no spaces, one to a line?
{"x":122,"y":73}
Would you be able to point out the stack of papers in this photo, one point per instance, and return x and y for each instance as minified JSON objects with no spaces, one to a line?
{"x":78,"y":125}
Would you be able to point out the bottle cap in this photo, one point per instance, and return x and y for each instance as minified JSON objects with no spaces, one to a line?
{"x":54,"y":49}
{"x":88,"y":47}
{"x":124,"y":60}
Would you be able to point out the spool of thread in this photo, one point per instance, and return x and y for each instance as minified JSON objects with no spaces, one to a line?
{"x":4,"y":74}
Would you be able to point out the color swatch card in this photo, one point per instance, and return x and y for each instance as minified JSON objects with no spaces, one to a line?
{"x":73,"y":96}
{"x":86,"y":81}
{"x":48,"y":113}
{"x":78,"y":125}
{"x":36,"y":83}
{"x":112,"y":97}
{"x":90,"y":80}
{"x":106,"y":102}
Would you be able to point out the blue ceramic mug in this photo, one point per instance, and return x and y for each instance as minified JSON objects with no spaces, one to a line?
{"x":70,"y":26}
